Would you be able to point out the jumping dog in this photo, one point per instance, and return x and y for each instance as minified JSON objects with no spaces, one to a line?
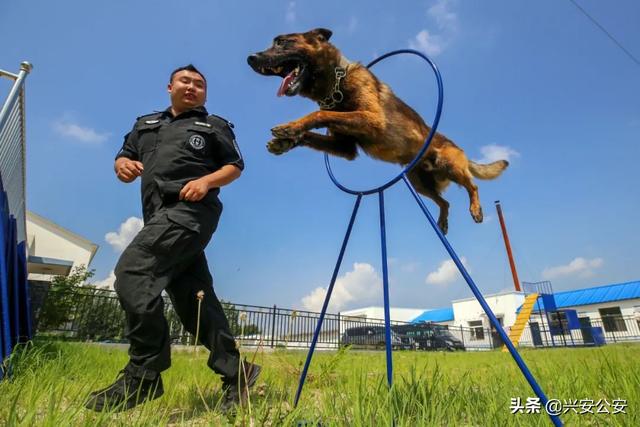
{"x":359,"y":110}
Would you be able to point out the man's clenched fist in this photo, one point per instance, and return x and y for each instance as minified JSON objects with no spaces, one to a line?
{"x":127,"y":170}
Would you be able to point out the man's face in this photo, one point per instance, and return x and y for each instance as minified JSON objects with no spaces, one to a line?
{"x":188,"y":90}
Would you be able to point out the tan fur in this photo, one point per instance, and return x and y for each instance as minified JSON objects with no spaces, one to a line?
{"x":373,"y":118}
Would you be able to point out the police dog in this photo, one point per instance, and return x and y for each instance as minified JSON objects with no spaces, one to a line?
{"x":359,"y":110}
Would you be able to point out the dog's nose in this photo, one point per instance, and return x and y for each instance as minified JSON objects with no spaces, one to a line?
{"x":252,"y":59}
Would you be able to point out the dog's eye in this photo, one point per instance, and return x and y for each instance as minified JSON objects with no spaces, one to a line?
{"x":278,"y":43}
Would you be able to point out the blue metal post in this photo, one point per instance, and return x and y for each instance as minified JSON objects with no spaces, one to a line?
{"x":385,"y":284}
{"x":303,"y":376}
{"x":494,"y":321}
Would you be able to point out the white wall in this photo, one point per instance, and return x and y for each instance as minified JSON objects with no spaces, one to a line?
{"x":396,"y":314}
{"x":49,"y":240}
{"x":627,"y":308}
{"x":503,"y":305}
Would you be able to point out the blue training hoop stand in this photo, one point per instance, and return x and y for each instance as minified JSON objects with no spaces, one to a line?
{"x":385,"y":278}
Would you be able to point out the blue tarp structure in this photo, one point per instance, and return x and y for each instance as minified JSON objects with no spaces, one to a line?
{"x":437,"y":315}
{"x":15,"y":318}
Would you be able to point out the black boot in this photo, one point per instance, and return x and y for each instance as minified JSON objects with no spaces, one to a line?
{"x":235,"y":393}
{"x":125,"y":393}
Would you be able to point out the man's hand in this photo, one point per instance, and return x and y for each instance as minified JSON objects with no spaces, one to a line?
{"x":195,"y":190}
{"x":128,"y":170}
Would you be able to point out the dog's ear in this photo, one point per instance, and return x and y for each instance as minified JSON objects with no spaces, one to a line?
{"x":322,"y":33}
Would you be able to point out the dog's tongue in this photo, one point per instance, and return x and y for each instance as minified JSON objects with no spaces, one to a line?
{"x":285,"y":83}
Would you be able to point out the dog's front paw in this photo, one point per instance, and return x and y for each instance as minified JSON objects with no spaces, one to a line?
{"x":280,"y":145}
{"x":287,"y":131}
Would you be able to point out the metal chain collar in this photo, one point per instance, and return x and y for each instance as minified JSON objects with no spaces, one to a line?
{"x":336,"y":96}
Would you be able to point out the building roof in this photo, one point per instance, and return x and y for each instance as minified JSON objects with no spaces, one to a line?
{"x":52,"y":266}
{"x":595,"y":295}
{"x":577,"y":297}
{"x":436,"y":315}
{"x":64,"y":232}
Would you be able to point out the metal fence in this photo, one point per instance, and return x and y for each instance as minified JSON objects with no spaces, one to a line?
{"x":94,"y":314}
{"x":615,"y":329}
{"x":12,"y":146}
{"x":90,"y":314}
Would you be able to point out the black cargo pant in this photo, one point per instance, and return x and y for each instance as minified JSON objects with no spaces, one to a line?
{"x":166,"y":255}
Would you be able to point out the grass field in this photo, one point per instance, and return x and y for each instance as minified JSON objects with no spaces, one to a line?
{"x":52,"y":379}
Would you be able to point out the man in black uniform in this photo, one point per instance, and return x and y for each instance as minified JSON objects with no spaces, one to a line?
{"x":184,"y":156}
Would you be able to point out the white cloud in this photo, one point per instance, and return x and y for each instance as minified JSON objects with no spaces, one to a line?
{"x":72,"y":130}
{"x":353,"y":25}
{"x":107,"y":282}
{"x":427,"y":43}
{"x":291,"y":12}
{"x":446,"y":273}
{"x":447,"y":23}
{"x":444,"y":17}
{"x":362,"y":284}
{"x":579,"y":266}
{"x":493,"y":152}
{"x":125,"y":234}
{"x":410,"y":267}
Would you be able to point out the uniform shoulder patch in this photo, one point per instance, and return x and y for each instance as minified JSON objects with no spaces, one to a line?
{"x":149,"y":119}
{"x":215,"y":118}
{"x":150,"y":115}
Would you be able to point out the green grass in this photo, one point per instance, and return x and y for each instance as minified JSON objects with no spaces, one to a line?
{"x":52,"y":379}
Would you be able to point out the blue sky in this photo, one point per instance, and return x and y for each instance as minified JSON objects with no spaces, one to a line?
{"x":535,"y":81}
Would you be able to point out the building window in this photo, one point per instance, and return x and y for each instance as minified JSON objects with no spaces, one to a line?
{"x":558,"y":322}
{"x":612,"y":319}
{"x":477,"y":332}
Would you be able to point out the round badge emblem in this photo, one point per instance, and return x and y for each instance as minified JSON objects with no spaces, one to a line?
{"x":197,"y":142}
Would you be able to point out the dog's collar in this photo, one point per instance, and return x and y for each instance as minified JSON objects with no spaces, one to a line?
{"x":335,"y":97}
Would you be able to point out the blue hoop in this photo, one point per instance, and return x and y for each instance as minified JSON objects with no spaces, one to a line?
{"x":410,"y":166}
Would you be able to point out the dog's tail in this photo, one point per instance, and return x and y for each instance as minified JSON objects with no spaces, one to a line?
{"x":489,"y":171}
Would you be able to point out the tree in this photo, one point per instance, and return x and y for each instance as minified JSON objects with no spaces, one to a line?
{"x":235,"y":323}
{"x":99,"y":316}
{"x":61,"y":300}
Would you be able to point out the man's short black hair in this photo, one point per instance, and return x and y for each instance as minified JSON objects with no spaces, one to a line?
{"x":189,"y":67}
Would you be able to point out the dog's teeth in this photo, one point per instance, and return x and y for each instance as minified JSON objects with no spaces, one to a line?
{"x":262,"y":70}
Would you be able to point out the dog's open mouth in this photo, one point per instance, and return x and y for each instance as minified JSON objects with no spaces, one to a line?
{"x":292,"y":73}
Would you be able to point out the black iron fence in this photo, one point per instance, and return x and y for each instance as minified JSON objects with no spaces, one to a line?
{"x":89,"y":314}
{"x":614,"y":329}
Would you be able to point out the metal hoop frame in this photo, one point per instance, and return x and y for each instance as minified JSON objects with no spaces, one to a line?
{"x":380,"y":191}
{"x":418,"y":156}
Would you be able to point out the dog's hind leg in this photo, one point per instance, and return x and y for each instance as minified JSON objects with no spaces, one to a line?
{"x":474,"y":199}
{"x":426,"y":184}
{"x":455,"y":164}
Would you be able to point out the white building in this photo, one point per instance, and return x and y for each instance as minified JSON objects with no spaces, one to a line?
{"x":54,"y":250}
{"x":396,"y":314}
{"x":469,"y":313}
{"x":615,"y":308}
